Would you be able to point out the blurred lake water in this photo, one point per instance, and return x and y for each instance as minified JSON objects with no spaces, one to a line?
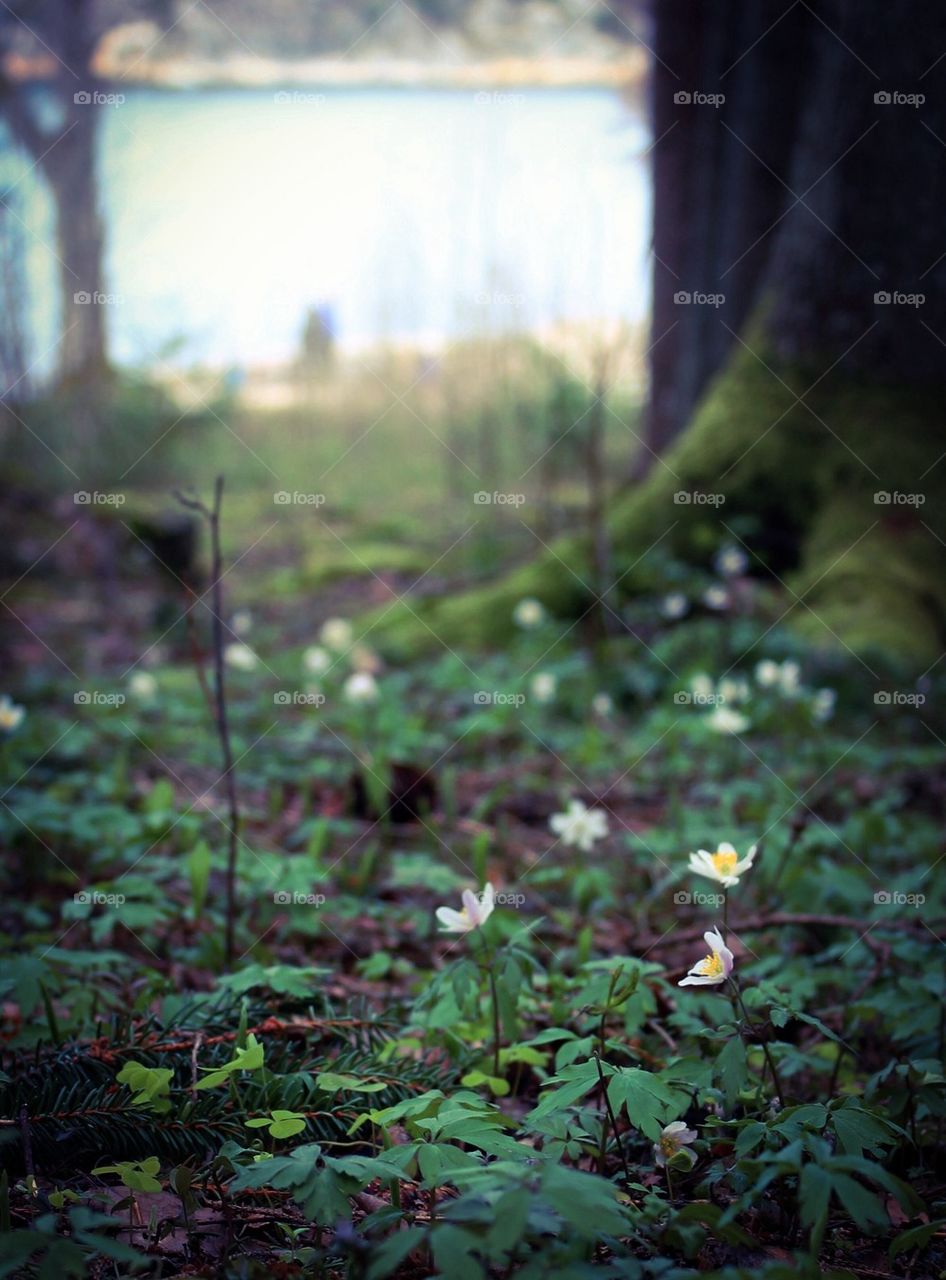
{"x":411,"y":216}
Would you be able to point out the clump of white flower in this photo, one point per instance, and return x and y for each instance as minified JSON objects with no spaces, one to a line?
{"x":822,"y":705}
{"x":11,"y":714}
{"x":242,"y":622}
{"x":768,"y":673}
{"x":790,"y":679}
{"x":602,"y":705}
{"x":725,"y":719}
{"x":336,"y":634}
{"x":543,"y":686}
{"x":732,"y":695}
{"x":241,"y":657}
{"x":702,"y":687}
{"x":674,"y":605}
{"x":716,"y":597}
{"x":361,"y":688}
{"x":529,"y":614}
{"x":731,"y":562}
{"x":733,"y":689}
{"x":579,"y":826}
{"x":143,"y":685}
{"x":316,"y":660}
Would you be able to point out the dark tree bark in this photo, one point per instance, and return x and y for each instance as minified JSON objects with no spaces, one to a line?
{"x":799,"y":191}
{"x":79,"y":236}
{"x":61,"y":142}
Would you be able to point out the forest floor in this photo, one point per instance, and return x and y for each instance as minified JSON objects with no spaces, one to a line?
{"x":355,"y":1092}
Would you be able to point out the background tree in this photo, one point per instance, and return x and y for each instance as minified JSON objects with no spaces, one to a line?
{"x":810,"y":199}
{"x":53,"y":116}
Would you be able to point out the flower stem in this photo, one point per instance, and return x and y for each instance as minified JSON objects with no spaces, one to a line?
{"x":614,"y":1124}
{"x":496,"y":1027}
{"x":488,"y":962}
{"x":770,"y":1061}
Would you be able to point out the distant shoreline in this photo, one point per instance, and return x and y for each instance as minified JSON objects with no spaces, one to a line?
{"x":241,"y":72}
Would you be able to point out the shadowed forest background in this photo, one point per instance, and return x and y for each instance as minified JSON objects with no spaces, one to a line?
{"x":470,"y":566}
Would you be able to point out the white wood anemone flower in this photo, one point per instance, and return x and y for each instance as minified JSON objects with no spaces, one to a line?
{"x":316,"y":660}
{"x":11,"y":714}
{"x":240,"y":656}
{"x":726,"y":720}
{"x":336,"y":634}
{"x":712,"y":969}
{"x":361,"y":688}
{"x":724,"y":866}
{"x":579,"y":826}
{"x":529,"y":614}
{"x":674,"y":1138}
{"x":476,"y":910}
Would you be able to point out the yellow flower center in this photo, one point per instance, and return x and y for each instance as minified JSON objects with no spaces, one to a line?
{"x":669,"y":1146}
{"x":712,"y":966}
{"x":725,"y":861}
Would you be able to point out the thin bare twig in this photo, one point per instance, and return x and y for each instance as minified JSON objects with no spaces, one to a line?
{"x":212,"y":516}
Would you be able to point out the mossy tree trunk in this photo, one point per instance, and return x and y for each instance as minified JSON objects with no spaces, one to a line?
{"x":809,"y":205}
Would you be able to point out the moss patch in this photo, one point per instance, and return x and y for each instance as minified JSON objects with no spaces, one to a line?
{"x":799,"y":477}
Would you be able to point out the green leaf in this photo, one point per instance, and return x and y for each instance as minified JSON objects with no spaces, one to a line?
{"x":496,"y":1085}
{"x":249,"y":1058}
{"x":574,"y":1082}
{"x":332,"y":1082}
{"x":732,"y":1068}
{"x":916,"y":1237}
{"x":649,"y":1102}
{"x":150,"y":1085}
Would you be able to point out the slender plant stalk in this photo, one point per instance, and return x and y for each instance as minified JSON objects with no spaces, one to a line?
{"x":496,"y":1027}
{"x":614,"y":1124}
{"x":488,"y":964}
{"x":221,"y":720}
{"x":765,"y":1048}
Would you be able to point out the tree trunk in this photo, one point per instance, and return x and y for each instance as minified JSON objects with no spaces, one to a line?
{"x":70,"y":168}
{"x":811,"y":396}
{"x":64,"y":152}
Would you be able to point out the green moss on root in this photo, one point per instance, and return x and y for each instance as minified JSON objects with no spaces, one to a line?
{"x":804,"y":473}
